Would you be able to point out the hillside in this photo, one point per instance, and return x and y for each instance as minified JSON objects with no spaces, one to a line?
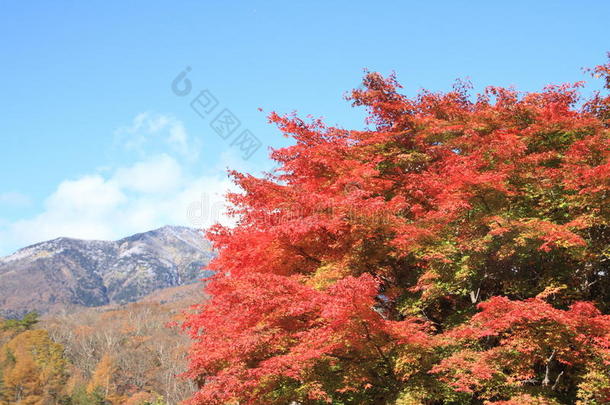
{"x":67,"y":274}
{"x":124,"y":353}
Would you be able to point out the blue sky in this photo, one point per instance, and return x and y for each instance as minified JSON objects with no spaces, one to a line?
{"x":96,"y":145}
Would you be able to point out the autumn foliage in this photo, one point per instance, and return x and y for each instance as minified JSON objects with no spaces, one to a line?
{"x":33,"y":369}
{"x":114,"y":355}
{"x":455,"y":252}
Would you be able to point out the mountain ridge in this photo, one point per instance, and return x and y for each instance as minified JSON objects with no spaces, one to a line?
{"x":68,"y":272}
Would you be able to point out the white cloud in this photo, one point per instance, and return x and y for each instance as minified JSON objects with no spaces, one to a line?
{"x":113,"y":202}
{"x":79,"y":208}
{"x":97,"y":207}
{"x":179,"y":140}
{"x":88,"y":194}
{"x":158,"y":174}
{"x":149,"y":130}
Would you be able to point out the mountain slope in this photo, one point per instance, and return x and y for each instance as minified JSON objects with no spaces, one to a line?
{"x":65,"y":272}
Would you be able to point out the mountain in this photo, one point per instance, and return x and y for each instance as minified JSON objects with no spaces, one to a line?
{"x":64,"y":272}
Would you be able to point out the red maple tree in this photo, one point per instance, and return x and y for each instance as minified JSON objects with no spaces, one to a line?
{"x":455,"y":252}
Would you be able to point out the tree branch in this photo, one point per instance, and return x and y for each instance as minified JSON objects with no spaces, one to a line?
{"x":547,"y":379}
{"x":475,"y":297}
{"x":556,"y":381}
{"x":299,"y":250}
